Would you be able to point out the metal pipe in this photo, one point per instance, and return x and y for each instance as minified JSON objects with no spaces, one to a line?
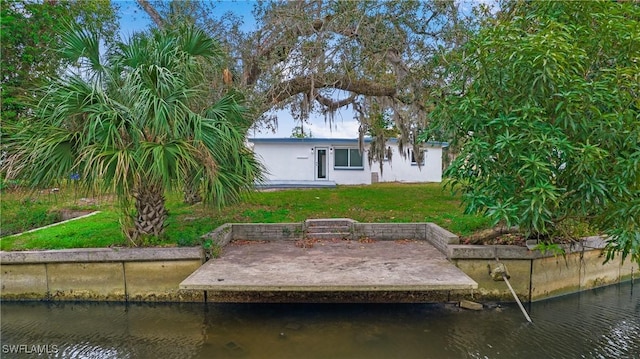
{"x":526,"y":315}
{"x":502,"y":270}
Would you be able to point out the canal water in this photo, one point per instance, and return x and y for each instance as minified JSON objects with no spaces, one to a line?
{"x":601,"y":323}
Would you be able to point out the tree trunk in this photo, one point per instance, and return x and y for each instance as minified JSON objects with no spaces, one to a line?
{"x":191,"y":194}
{"x":152,"y":12}
{"x":491,"y":233}
{"x":151,"y":210}
{"x":191,"y":190}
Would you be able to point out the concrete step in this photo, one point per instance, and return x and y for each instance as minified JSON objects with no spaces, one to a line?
{"x":335,"y":235}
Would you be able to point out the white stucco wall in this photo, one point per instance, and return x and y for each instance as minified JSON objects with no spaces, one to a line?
{"x":295,"y":159}
{"x":286,"y":161}
{"x":400,"y":169}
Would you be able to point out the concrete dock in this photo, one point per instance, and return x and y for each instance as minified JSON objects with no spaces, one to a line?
{"x":329,"y":265}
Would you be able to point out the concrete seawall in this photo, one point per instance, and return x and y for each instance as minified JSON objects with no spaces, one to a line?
{"x":101,"y":274}
{"x":154,"y":274}
{"x":536,"y":275}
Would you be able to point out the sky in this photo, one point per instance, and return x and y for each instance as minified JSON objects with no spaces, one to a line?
{"x":133,"y":19}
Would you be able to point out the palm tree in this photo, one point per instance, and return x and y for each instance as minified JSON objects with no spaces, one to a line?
{"x":131,"y":124}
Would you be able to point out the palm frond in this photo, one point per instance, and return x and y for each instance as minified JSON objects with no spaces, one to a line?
{"x":135,"y":127}
{"x":195,"y":42}
{"x":82,"y":47}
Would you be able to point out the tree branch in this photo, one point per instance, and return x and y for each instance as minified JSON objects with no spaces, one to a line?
{"x":286,"y":89}
{"x":281,"y":42}
{"x":331,"y":104}
{"x":153,"y":13}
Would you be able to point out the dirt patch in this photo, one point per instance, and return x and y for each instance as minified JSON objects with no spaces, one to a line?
{"x":505,"y":239}
{"x":66,"y":214}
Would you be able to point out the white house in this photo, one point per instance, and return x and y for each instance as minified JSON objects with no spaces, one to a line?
{"x":327,"y":161}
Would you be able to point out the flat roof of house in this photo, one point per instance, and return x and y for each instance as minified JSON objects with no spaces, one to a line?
{"x":337,"y":141}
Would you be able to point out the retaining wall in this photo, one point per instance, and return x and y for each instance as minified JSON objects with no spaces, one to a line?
{"x":536,"y":275}
{"x":105,"y":274}
{"x":269,"y":231}
{"x":390,"y":231}
{"x":154,"y":274}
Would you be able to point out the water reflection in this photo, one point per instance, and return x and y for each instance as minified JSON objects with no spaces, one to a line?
{"x":603,"y":323}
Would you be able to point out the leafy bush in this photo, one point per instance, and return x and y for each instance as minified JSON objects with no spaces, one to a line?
{"x":544,"y":107}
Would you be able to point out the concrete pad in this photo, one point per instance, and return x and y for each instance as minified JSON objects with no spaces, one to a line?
{"x":329,"y":265}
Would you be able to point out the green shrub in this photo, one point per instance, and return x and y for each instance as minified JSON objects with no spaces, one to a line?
{"x":573,"y":229}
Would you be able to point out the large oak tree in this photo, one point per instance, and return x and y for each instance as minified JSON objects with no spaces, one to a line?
{"x":378,"y":58}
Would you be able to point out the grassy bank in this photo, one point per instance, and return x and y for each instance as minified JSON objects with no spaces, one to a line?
{"x":374,"y":203}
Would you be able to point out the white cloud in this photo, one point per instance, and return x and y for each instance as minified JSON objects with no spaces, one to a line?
{"x":339,"y":129}
{"x":343,"y":126}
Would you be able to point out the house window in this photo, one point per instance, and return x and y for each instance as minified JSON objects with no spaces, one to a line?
{"x":347,"y":158}
{"x":414,"y":159}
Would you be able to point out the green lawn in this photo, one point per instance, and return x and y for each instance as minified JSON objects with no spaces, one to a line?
{"x":374,"y":203}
